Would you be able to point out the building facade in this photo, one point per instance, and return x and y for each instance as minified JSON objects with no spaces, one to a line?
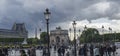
{"x":18,"y":31}
{"x":59,"y":37}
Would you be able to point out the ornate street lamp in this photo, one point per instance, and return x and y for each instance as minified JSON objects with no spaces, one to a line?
{"x":85,"y":28}
{"x":40,"y":36}
{"x":74,"y":26}
{"x":70,"y":35}
{"x":79,"y":37}
{"x":110,"y":29}
{"x":103,"y":33}
{"x":79,"y":32}
{"x":47,"y":17}
{"x":70,"y":31}
{"x":114,"y":37}
{"x":40,"y":30}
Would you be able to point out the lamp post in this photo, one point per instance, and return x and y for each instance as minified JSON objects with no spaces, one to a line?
{"x":40,"y":30}
{"x":85,"y":28}
{"x":92,"y":32}
{"x":40,"y":36}
{"x":70,"y":31}
{"x":47,"y":17}
{"x":79,"y":37}
{"x":74,"y":26}
{"x":110,"y":29}
{"x":79,"y":32}
{"x":114,"y":37}
{"x":70,"y":35}
{"x":103,"y":32}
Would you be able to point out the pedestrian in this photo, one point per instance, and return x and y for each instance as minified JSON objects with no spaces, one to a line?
{"x":68,"y":53}
{"x":28,"y":52}
{"x":85,"y":50}
{"x":32,"y":51}
{"x":109,"y":49}
{"x":54,"y":47}
{"x":101,"y":50}
{"x":91,"y":50}
{"x":63,"y":51}
{"x":3,"y":50}
{"x":96,"y":51}
{"x":113,"y":49}
{"x":23,"y":53}
{"x":44,"y":51}
{"x":73,"y":50}
{"x":59,"y":51}
{"x":105,"y":50}
{"x":6,"y":51}
{"x":81,"y":51}
{"x":1,"y":53}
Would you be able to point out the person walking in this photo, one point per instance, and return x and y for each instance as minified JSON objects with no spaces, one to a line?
{"x":68,"y":53}
{"x":113,"y":49}
{"x":96,"y":51}
{"x":44,"y":51}
{"x":32,"y":51}
{"x":63,"y":51}
{"x":105,"y":49}
{"x":23,"y":53}
{"x":101,"y":50}
{"x":59,"y":51}
{"x":81,"y":51}
{"x":28,"y":52}
{"x":85,"y":50}
{"x":109,"y":49}
{"x":6,"y":51}
{"x":91,"y":50}
{"x":1,"y":53}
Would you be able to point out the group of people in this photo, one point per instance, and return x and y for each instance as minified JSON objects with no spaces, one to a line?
{"x":32,"y":51}
{"x":97,"y":50}
{"x":61,"y":51}
{"x":83,"y":50}
{"x":4,"y":52}
{"x":23,"y":53}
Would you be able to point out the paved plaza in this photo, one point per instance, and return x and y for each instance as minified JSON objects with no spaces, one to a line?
{"x":53,"y":53}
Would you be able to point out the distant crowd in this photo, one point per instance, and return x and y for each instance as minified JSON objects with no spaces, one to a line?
{"x":82,"y":50}
{"x":4,"y":52}
{"x":98,"y":50}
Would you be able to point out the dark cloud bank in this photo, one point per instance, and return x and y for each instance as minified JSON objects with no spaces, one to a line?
{"x":30,"y":12}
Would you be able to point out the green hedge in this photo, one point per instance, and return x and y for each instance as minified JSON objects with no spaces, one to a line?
{"x":11,"y":39}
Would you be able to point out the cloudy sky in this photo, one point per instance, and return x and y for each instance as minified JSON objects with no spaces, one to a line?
{"x":93,"y":13}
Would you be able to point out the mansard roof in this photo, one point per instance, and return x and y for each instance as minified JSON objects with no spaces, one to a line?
{"x":19,"y":27}
{"x":8,"y":31}
{"x":16,"y":29}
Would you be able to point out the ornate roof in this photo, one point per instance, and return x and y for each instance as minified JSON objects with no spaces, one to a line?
{"x":16,"y":30}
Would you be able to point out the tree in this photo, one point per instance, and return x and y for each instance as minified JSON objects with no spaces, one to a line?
{"x":32,"y":41}
{"x":90,"y":35}
{"x":111,"y":37}
{"x":43,"y":37}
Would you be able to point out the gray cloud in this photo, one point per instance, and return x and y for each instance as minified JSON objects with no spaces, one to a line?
{"x":31,"y":11}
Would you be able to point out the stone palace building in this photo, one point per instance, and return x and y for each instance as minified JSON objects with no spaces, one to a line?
{"x":59,"y":37}
{"x":18,"y":31}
